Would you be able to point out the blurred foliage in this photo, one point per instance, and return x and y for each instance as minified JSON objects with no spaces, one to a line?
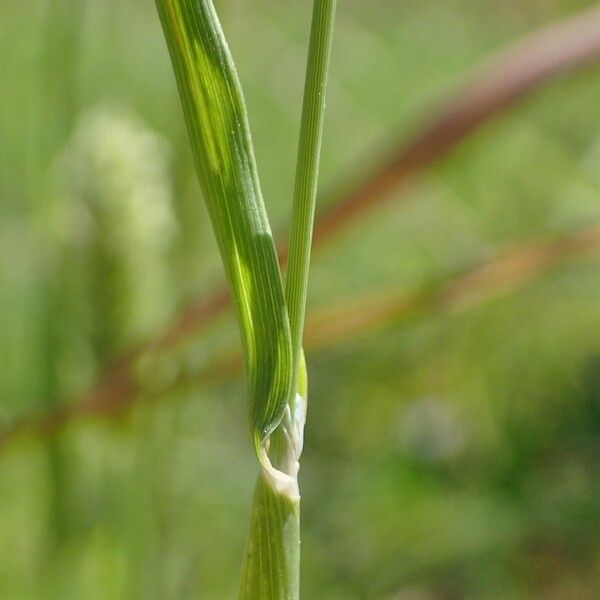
{"x":453,"y":456}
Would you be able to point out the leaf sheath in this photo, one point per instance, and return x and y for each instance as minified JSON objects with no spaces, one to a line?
{"x":272,"y":557}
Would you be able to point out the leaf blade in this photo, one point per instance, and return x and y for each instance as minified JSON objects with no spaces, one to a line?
{"x":217,"y":125}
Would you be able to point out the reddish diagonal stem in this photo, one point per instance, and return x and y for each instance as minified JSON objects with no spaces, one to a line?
{"x":500,"y":82}
{"x":508,"y":270}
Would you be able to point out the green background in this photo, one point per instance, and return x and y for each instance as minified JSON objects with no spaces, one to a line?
{"x":455,"y":454}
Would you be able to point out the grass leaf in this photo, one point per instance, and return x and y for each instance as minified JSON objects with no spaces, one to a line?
{"x":218,"y":128}
{"x":307,"y":172}
{"x":217,"y":124}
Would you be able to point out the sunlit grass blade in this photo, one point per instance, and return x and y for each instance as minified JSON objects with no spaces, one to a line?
{"x":218,"y":129}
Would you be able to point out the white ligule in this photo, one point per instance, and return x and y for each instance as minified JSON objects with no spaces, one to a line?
{"x":285,"y":480}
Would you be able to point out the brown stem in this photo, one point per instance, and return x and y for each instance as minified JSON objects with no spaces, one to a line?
{"x":500,"y":82}
{"x":509,"y":76}
{"x":509,"y":270}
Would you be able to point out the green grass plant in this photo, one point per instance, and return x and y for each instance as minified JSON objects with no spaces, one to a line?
{"x":270,"y":320}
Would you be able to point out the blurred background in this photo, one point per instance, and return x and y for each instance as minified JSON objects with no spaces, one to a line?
{"x":453,"y":437}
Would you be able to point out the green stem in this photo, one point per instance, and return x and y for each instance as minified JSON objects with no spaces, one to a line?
{"x":271,"y":568}
{"x":307,"y":172}
{"x":217,"y":123}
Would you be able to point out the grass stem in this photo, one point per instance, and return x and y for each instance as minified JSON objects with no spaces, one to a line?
{"x":307,"y":173}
